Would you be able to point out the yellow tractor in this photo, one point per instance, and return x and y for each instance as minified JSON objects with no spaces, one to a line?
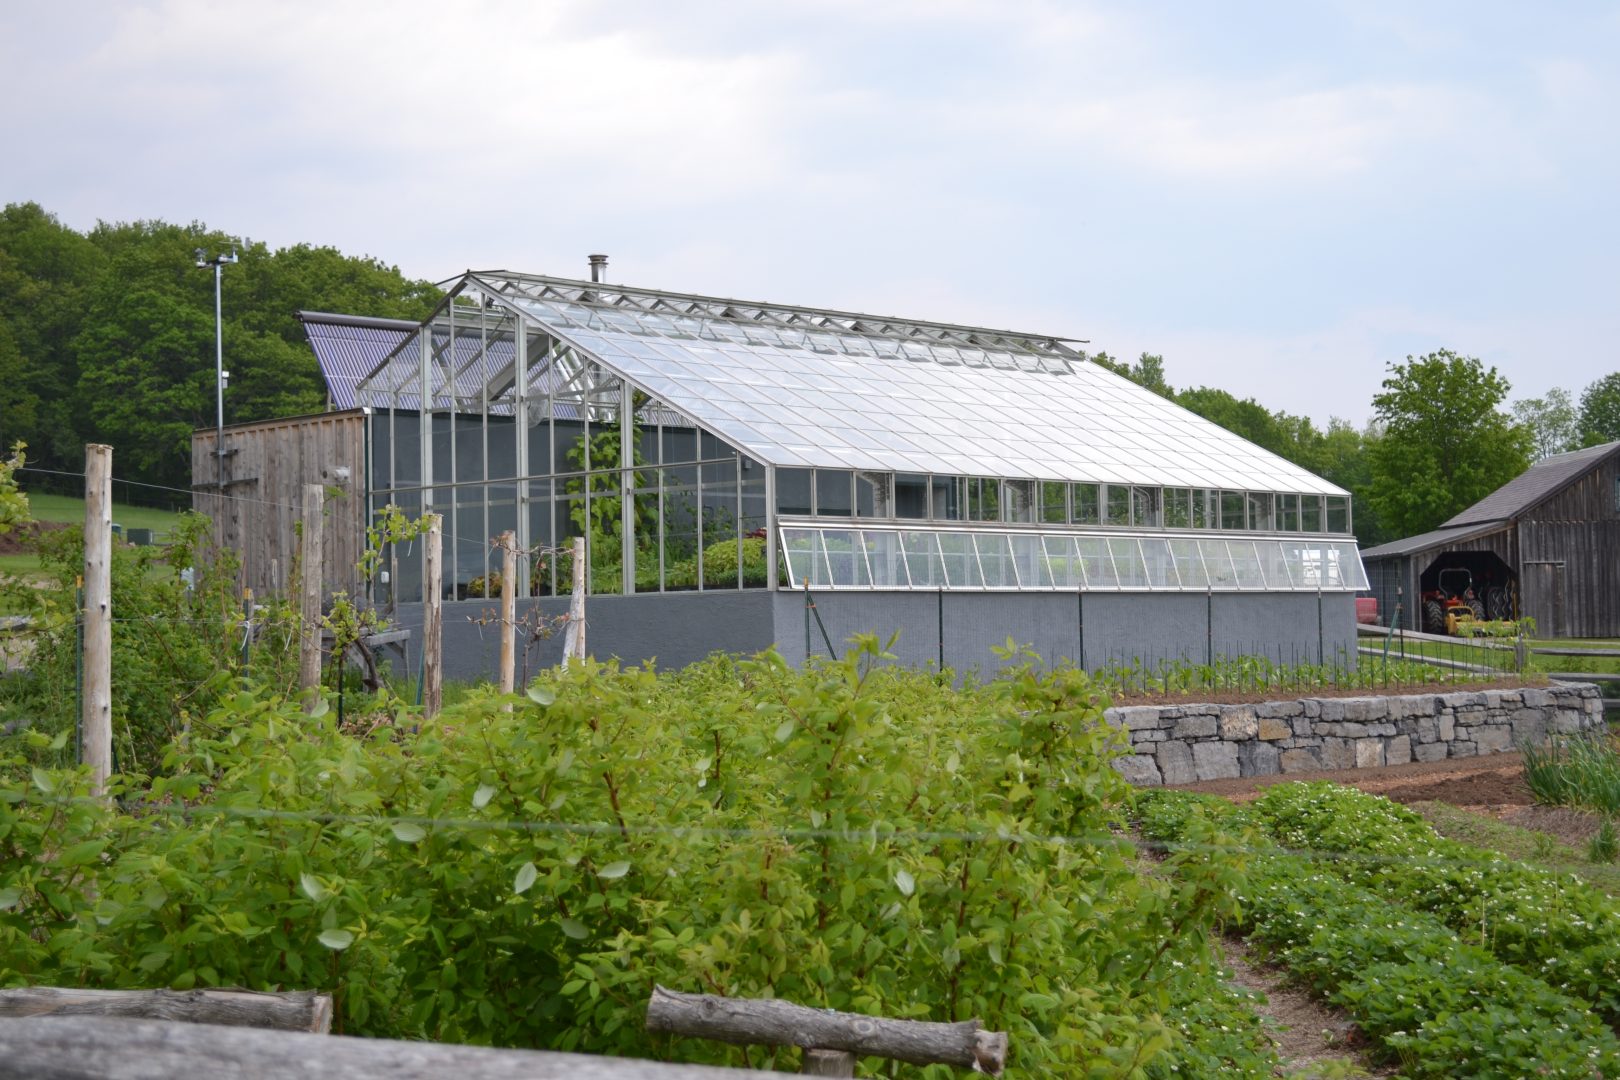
{"x":1448,"y":608}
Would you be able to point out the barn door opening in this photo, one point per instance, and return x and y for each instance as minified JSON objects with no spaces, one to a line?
{"x":1544,"y":602}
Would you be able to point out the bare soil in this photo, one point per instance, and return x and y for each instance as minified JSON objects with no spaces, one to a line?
{"x":22,"y":540}
{"x":1305,"y":1032}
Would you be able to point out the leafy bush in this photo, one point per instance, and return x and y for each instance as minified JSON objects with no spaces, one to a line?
{"x":853,"y":835}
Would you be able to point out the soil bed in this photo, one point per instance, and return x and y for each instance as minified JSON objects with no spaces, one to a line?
{"x":24,"y":539}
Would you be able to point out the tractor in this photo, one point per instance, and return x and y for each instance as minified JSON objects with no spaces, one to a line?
{"x":1451,"y":603}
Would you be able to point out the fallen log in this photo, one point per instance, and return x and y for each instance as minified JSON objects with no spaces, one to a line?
{"x":965,"y":1045}
{"x":105,"y":1048}
{"x":302,"y":1010}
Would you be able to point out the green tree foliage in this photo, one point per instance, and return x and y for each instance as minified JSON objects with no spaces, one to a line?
{"x":1148,"y":372}
{"x":109,"y":336}
{"x":1600,"y":411}
{"x":1552,"y":420}
{"x":1446,"y":444}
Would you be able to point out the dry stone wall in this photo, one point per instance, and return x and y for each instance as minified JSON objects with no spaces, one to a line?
{"x":1184,"y":744}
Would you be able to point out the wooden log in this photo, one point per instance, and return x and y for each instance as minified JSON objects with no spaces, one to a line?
{"x":966,"y":1045}
{"x":309,"y":607}
{"x":828,"y":1063}
{"x":508,"y":614}
{"x":97,"y":701}
{"x":103,"y":1048}
{"x":433,"y":616}
{"x":300,"y":1010}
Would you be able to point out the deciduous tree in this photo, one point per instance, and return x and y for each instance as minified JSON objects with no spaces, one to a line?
{"x":1600,"y":411}
{"x":1446,"y":442}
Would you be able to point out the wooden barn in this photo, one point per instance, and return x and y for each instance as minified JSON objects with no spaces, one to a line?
{"x":262,"y":475}
{"x":1546,"y":545}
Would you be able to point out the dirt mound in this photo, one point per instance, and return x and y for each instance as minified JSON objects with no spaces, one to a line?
{"x":21,"y":541}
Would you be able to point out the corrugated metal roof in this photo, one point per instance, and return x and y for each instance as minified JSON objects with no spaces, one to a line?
{"x":1539,"y":482}
{"x":1438,"y":538}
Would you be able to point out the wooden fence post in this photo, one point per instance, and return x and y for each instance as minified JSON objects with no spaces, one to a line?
{"x":311,"y":572}
{"x":828,"y":1063}
{"x":508,"y":614}
{"x":433,"y":617}
{"x":574,"y":634}
{"x":97,"y":615}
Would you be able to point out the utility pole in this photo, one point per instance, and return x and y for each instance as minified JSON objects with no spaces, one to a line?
{"x":97,"y":615}
{"x":218,"y":262}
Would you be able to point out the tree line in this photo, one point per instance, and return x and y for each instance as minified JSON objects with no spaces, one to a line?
{"x":1442,"y":435}
{"x":108,"y":336}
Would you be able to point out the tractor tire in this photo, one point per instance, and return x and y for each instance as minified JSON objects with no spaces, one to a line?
{"x":1477,"y":608}
{"x":1498,"y":603}
{"x":1434,"y":617}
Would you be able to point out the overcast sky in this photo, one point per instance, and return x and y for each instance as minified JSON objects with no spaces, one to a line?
{"x":1279,"y":198}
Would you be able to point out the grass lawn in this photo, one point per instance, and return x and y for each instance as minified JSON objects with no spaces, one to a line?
{"x":66,"y":508}
{"x":1538,"y":849}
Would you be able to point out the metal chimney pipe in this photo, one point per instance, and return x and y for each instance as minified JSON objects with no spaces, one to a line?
{"x":598,"y":267}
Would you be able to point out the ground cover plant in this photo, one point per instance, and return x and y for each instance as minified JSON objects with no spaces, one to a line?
{"x":1549,"y":924}
{"x":1438,"y":1004}
{"x":1521,"y":844}
{"x":852,"y":835}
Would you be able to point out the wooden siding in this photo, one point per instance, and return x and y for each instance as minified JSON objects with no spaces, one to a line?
{"x":1406,"y":571}
{"x":1591,"y":498}
{"x":1581,"y":559}
{"x":266,"y":466}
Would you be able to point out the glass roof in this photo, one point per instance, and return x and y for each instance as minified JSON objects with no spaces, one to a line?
{"x":794,"y":388}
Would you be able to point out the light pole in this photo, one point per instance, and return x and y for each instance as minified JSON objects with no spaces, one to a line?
{"x":220,"y":374}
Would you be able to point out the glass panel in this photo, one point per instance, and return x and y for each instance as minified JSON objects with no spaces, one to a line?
{"x":1030,"y":557}
{"x":1087,"y":507}
{"x":1177,"y":508}
{"x":1202,"y":518}
{"x":961,"y":563}
{"x":1145,"y":507}
{"x":922,"y":559}
{"x":1118,"y":508}
{"x":910,"y":496}
{"x":884,"y":559}
{"x":1065,"y":564}
{"x":995,"y":559}
{"x":752,"y":528}
{"x":1054,"y":503}
{"x":872,"y":498}
{"x":847,"y":558}
{"x":1288,"y":513}
{"x":1189,"y":564}
{"x":799,"y":554}
{"x":793,"y":491}
{"x":1275,"y":565}
{"x":645,"y":503}
{"x":1310,"y":513}
{"x":1352,"y":574}
{"x":1128,"y":561}
{"x":1097,"y":563}
{"x":833,"y":493}
{"x":1262,"y":506}
{"x":1018,"y":501}
{"x":947,"y":502}
{"x":1161,"y":568}
{"x":721,"y":548}
{"x":1218,"y":564}
{"x":1304,"y":564}
{"x":1246,"y":564}
{"x":984,"y":498}
{"x":1338,"y":514}
{"x":680,"y":539}
{"x":1231,"y":510}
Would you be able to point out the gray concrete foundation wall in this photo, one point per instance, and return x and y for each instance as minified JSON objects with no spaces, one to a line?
{"x":1184,"y":744}
{"x":1093,"y":629}
{"x":673,"y":629}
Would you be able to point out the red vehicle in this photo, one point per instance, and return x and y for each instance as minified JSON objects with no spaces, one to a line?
{"x":1367,"y":609}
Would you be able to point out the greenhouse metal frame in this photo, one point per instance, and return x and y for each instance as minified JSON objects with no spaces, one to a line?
{"x":701,"y":443}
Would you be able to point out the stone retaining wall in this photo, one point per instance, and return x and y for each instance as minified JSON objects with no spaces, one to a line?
{"x":1183,"y":744}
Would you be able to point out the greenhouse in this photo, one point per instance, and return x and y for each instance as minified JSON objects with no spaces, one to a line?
{"x":704,"y":445}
